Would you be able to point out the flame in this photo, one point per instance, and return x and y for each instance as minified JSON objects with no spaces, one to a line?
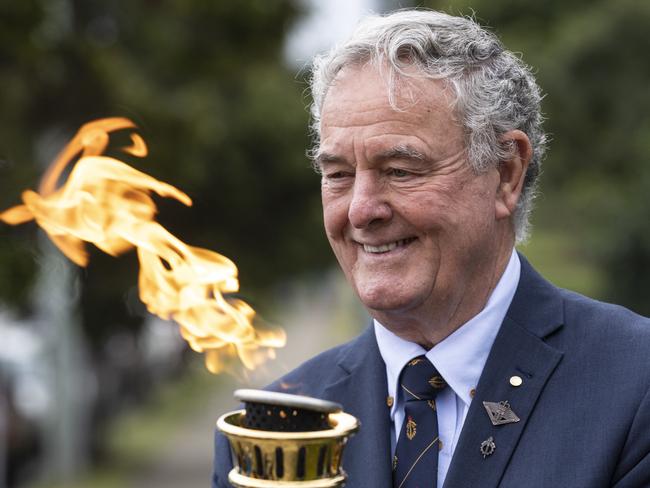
{"x":108,"y":203}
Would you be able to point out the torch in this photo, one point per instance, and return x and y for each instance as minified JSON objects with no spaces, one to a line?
{"x":283,"y":440}
{"x":279,"y":440}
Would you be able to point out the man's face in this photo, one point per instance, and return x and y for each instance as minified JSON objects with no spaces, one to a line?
{"x":411,"y":224}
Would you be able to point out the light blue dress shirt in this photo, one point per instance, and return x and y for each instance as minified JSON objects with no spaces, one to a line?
{"x":459,"y":358}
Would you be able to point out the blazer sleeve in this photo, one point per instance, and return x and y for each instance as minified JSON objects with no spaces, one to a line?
{"x":222,"y":462}
{"x":633,"y":468}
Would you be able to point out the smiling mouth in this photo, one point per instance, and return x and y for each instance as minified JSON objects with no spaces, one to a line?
{"x":387,"y":247}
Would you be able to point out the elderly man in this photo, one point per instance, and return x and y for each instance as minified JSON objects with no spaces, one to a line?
{"x":476,"y":372}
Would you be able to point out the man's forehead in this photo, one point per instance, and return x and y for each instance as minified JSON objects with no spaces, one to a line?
{"x":361,"y":97}
{"x":404,"y":89}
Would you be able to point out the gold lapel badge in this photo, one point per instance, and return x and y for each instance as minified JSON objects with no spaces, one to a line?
{"x":500,"y":413}
{"x":488,"y":446}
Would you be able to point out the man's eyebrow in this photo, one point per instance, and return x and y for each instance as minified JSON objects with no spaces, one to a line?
{"x":325,"y":157}
{"x":397,"y":152}
{"x":320,"y":159}
{"x":401,"y":152}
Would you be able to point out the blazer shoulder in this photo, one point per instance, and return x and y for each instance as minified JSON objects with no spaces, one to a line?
{"x":606,"y":337}
{"x":545,"y":305}
{"x":605,"y":317}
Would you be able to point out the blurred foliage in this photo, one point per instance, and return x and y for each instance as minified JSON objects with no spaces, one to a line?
{"x":224,"y":118}
{"x":136,"y":439}
{"x":590,"y":57}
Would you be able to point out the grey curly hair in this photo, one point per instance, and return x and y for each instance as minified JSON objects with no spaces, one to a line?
{"x":495,"y":91}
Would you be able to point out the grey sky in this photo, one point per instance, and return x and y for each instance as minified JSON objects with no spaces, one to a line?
{"x":330,"y":21}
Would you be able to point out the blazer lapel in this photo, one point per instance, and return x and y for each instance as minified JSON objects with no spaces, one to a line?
{"x":519,"y":350}
{"x":362,"y":390}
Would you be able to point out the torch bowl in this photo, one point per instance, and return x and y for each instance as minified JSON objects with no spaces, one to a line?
{"x":270,"y":459}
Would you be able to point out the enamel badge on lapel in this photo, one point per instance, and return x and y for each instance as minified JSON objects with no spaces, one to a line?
{"x":487,"y":447}
{"x":500,"y":413}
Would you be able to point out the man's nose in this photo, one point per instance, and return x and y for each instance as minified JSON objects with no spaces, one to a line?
{"x":369,"y":202}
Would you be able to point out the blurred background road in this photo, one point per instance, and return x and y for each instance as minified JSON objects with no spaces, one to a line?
{"x":97,"y":393}
{"x":185,"y":457}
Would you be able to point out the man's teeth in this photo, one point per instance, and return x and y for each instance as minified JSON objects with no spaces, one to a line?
{"x":385,"y":247}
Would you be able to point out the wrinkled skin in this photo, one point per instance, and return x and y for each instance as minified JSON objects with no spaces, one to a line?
{"x":421,"y":236}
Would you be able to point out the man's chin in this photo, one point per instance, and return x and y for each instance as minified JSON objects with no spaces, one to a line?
{"x":387,"y":305}
{"x":389,"y":293}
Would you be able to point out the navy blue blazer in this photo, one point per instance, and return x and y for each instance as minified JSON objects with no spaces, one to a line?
{"x":584,"y":403}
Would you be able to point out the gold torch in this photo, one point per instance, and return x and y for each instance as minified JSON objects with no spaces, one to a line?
{"x":283,"y":440}
{"x":279,"y":440}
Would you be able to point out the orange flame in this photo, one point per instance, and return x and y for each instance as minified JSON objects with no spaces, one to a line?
{"x":107,"y":203}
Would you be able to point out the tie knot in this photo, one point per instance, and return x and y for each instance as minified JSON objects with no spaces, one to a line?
{"x":420,"y":380}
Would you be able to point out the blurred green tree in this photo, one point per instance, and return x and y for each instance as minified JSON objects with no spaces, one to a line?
{"x":224,"y":118}
{"x":590,"y":59}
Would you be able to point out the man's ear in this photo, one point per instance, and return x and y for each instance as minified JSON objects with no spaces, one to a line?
{"x":512,"y":172}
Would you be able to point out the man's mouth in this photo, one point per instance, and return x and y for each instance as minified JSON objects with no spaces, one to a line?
{"x":387,"y":247}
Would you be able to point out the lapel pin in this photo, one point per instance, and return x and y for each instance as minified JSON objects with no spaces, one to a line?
{"x":487,"y":447}
{"x":389,"y":401}
{"x":500,"y":413}
{"x":516,"y":381}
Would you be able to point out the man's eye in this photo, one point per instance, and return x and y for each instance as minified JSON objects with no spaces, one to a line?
{"x":336,"y":175}
{"x":399,"y":173}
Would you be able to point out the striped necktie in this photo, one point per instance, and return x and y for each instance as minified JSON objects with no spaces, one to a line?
{"x":415,"y":464}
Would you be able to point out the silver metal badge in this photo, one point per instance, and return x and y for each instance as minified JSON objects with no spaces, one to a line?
{"x":500,"y":413}
{"x":487,"y":447}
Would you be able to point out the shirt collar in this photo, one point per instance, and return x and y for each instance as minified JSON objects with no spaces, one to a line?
{"x":461,"y":356}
